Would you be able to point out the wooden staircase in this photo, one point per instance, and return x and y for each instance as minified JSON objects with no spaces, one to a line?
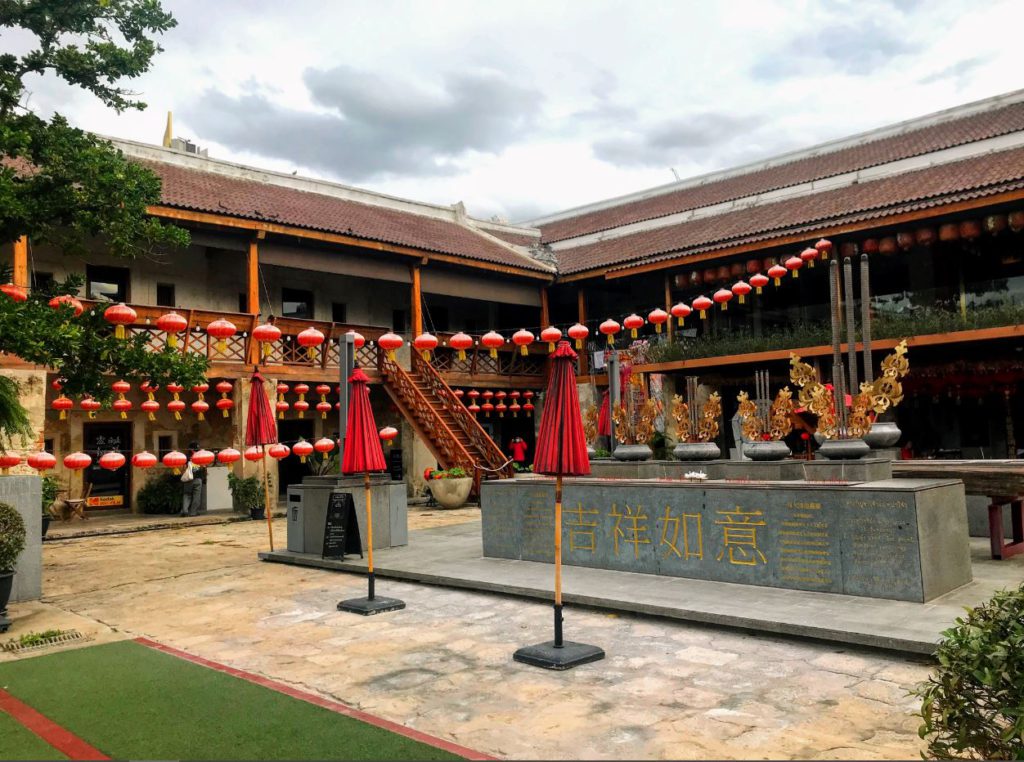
{"x":441,"y":420}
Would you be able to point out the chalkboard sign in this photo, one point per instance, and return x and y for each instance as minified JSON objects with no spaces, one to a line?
{"x":395,"y":464}
{"x":341,"y":530}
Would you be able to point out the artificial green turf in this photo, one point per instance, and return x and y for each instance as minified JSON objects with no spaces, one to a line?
{"x":17,"y":742}
{"x":132,"y":702}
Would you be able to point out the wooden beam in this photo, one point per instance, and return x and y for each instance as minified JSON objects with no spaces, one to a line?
{"x":226,"y":221}
{"x":545,"y":313}
{"x":253,"y":280}
{"x":797,"y":238}
{"x":581,"y":316}
{"x":20,"y":274}
{"x":416,"y":300}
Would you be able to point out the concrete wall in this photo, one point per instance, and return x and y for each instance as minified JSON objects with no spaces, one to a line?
{"x":23,"y":493}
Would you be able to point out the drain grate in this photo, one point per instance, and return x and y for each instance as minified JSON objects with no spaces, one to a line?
{"x":68,"y":636}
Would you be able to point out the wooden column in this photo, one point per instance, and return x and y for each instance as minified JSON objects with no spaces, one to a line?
{"x":253,"y":278}
{"x":545,"y":313}
{"x":20,"y":274}
{"x":668,"y":307}
{"x":417,"y":301}
{"x":581,"y":303}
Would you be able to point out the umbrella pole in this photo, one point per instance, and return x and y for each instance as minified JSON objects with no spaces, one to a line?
{"x":558,"y":561}
{"x":369,"y":535}
{"x":266,"y":500}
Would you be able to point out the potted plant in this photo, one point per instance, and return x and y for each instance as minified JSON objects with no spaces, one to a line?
{"x":450,"y":488}
{"x":50,"y":490}
{"x":12,"y":542}
{"x":247,"y":495}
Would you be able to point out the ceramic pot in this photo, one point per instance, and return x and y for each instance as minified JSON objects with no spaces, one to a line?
{"x":770,"y":450}
{"x":883,"y":434}
{"x":451,"y":493}
{"x":633,"y":452}
{"x":6,"y":585}
{"x":844,"y":449}
{"x":696,"y":451}
{"x":257,"y":514}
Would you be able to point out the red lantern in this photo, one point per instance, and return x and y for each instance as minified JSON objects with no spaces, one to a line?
{"x":777,"y":273}
{"x":281,"y":407}
{"x":76,"y":461}
{"x":824,"y":247}
{"x":221,"y":330}
{"x":609,"y":328}
{"x":303,"y":449}
{"x":202,"y":458}
{"x":1016,"y":221}
{"x":390,"y":342}
{"x":579,"y":334}
{"x":323,"y":445}
{"x":461,"y":342}
{"x":473,"y":407}
{"x":736,"y":270}
{"x":119,"y":315}
{"x":121,"y":387}
{"x":144,"y":459}
{"x":793,"y":264}
{"x":111,"y":461}
{"x":758,"y":281}
{"x":57,"y":384}
{"x":905,"y":239}
{"x":925,"y":236}
{"x":723,"y":273}
{"x":122,"y":406}
{"x":172,"y":324}
{"x":177,"y":407}
{"x":8,"y":461}
{"x":228,"y":455}
{"x":323,"y":407}
{"x":528,"y":408}
{"x":552,"y":336}
{"x":150,"y":407}
{"x":767,"y":263}
{"x":302,"y":406}
{"x":523,"y":339}
{"x":657,"y":317}
{"x":870,"y":246}
{"x":425,"y":343}
{"x":14,"y":293}
{"x":175,"y":461}
{"x":224,"y":404}
{"x":680,"y":312}
{"x":311,"y":338}
{"x":388,"y":434}
{"x":302,"y":390}
{"x":634,"y":323}
{"x":253,"y":454}
{"x":702,"y":304}
{"x":41,"y":461}
{"x":887,"y":246}
{"x":149,"y":388}
{"x":200,"y":408}
{"x":970,"y":229}
{"x":266,"y":334}
{"x":357,"y":339}
{"x":709,"y":275}
{"x":741,"y":289}
{"x":323,"y":390}
{"x":90,"y":405}
{"x":753,"y":266}
{"x":949,"y":232}
{"x":723,"y":296}
{"x":808,"y":255}
{"x":696,"y":278}
{"x":278,"y":451}
{"x":66,"y":300}
{"x":995,"y":223}
{"x":63,"y":404}
{"x":492,"y":340}
{"x":175,"y":389}
{"x":458,"y":393}
{"x":473,"y":394}
{"x":201,"y":389}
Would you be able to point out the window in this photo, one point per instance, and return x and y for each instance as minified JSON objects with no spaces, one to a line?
{"x":398,"y":321}
{"x":165,"y":295}
{"x":243,"y":301}
{"x":296,"y":303}
{"x":339,"y":312}
{"x":107,"y":283}
{"x":48,"y":446}
{"x":42,"y":282}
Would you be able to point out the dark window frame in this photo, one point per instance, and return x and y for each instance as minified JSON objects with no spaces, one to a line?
{"x":112,"y":275}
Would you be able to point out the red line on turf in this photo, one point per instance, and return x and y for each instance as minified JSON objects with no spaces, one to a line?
{"x":330,"y":704}
{"x":61,"y":739}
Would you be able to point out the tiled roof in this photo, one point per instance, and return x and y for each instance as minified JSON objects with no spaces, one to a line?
{"x":968,"y":178}
{"x":516,"y":239}
{"x":935,"y":137}
{"x":185,"y":188}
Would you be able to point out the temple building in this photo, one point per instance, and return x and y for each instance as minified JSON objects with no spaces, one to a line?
{"x":937,"y":204}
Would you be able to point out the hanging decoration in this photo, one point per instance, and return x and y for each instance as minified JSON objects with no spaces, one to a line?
{"x":303,"y":449}
{"x":609,"y":328}
{"x":144,"y":459}
{"x":358,"y":341}
{"x":473,"y":407}
{"x":111,"y":461}
{"x":493,"y":341}
{"x":8,"y":461}
{"x":680,"y":312}
{"x":824,"y":247}
{"x":265,"y":335}
{"x":741,"y":289}
{"x":67,"y":300}
{"x":500,"y":407}
{"x":323,"y":445}
{"x":253,"y":454}
{"x":41,"y":461}
{"x":14,"y":293}
{"x":200,"y":408}
{"x":523,"y":339}
{"x":809,"y":255}
{"x":301,"y":405}
{"x":150,"y":408}
{"x":278,"y":451}
{"x":172,"y":324}
{"x":487,"y":407}
{"x":281,"y":407}
{"x":657,"y":317}
{"x":203,"y":458}
{"x":634,"y":323}
{"x":122,"y":406}
{"x":228,"y":455}
{"x":995,"y":223}
{"x":311,"y":339}
{"x":177,"y":407}
{"x":175,"y":460}
{"x":758,"y":281}
{"x":552,"y":336}
{"x":723,"y":296}
{"x":925,"y":236}
{"x":388,"y":434}
{"x":777,"y":273}
{"x":702,"y":304}
{"x":579,"y":334}
{"x":528,"y":405}
{"x":869,"y":246}
{"x":63,"y":405}
{"x":793,"y":264}
{"x":390,"y":342}
{"x":120,"y":315}
{"x":225,"y":403}
{"x":461,"y":342}
{"x":425,"y":343}
{"x":222,"y":330}
{"x":323,"y":405}
{"x":90,"y":405}
{"x":76,"y":461}
{"x":514,"y":406}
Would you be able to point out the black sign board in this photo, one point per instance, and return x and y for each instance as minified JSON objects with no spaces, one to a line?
{"x":395,"y":464}
{"x":341,"y":530}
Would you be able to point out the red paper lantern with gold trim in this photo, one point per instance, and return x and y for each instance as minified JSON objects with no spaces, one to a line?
{"x":493,"y":341}
{"x":552,"y":336}
{"x":144,"y":459}
{"x":461,"y":342}
{"x":63,"y":405}
{"x":702,"y":304}
{"x":311,"y":339}
{"x":680,"y":312}
{"x":793,"y":264}
{"x":172,"y":324}
{"x":67,"y":300}
{"x":633,"y":323}
{"x":809,"y":255}
{"x":777,"y":273}
{"x":723,"y":296}
{"x":120,"y":315}
{"x":425,"y":343}
{"x":41,"y":461}
{"x":579,"y":334}
{"x":758,"y":281}
{"x":523,"y":339}
{"x":609,"y":328}
{"x":265,"y":335}
{"x":741,"y":289}
{"x":657,"y":317}
{"x":76,"y":461}
{"x":175,"y":461}
{"x":303,"y":449}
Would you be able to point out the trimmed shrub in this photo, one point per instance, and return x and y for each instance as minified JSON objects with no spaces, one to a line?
{"x":12,"y":537}
{"x":161,"y":494}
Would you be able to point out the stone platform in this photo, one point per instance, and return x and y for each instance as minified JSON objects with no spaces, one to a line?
{"x":791,"y":469}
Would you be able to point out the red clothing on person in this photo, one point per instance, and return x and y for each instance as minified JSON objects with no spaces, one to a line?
{"x":518,"y":449}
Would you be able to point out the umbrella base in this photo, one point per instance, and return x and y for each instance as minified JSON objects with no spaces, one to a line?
{"x":547,"y":656}
{"x":370,"y":606}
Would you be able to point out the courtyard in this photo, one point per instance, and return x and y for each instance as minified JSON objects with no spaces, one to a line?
{"x":443,"y":665}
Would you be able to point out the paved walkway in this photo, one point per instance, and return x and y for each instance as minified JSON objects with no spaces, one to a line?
{"x":443,"y":665}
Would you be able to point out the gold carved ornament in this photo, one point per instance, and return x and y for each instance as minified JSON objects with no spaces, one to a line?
{"x":814,"y":396}
{"x":887,"y":390}
{"x":590,"y":420}
{"x":780,"y":421}
{"x":747,"y":410}
{"x":643,"y":431}
{"x":681,"y":415}
{"x":707,"y":427}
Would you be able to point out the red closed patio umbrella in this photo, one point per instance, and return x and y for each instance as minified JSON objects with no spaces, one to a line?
{"x":363,"y":454}
{"x":260,"y":430}
{"x":604,"y":417}
{"x":561,"y":451}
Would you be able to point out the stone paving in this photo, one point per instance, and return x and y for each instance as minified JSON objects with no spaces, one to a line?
{"x":443,"y":665}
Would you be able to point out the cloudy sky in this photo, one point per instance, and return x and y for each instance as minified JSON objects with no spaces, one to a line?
{"x":527,"y":108}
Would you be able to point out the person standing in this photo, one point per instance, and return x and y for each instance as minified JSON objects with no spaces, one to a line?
{"x":518,"y":448}
{"x":192,"y":481}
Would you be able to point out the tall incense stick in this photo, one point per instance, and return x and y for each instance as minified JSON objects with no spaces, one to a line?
{"x":865,"y":318}
{"x":851,"y":326}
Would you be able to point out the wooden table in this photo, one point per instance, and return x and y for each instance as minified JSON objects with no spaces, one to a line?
{"x":1001,"y":481}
